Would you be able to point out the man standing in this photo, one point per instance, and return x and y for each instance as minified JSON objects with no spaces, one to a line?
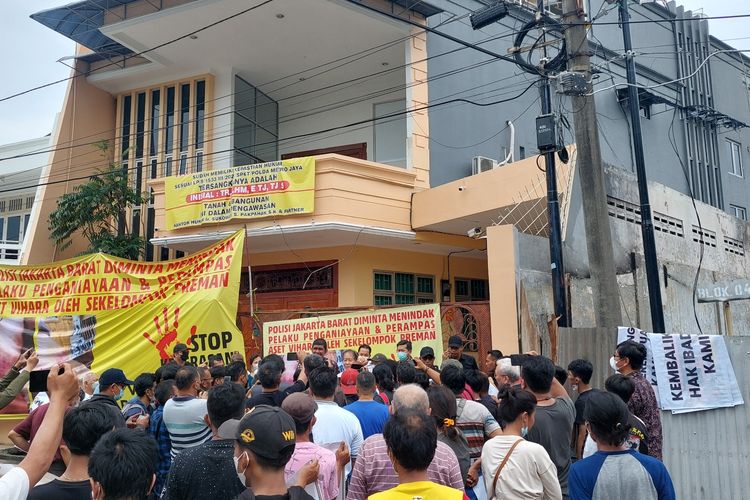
{"x":140,"y":404}
{"x":456,"y":351}
{"x":334,"y":424}
{"x":403,"y":350}
{"x":184,"y":414}
{"x":320,"y":347}
{"x":506,"y":373}
{"x":411,"y":439}
{"x":628,"y":360}
{"x":82,"y":428}
{"x":156,"y":428}
{"x":554,"y":415}
{"x":88,"y":381}
{"x":111,"y":389}
{"x":123,"y":465}
{"x":301,"y":407}
{"x":371,"y":414}
{"x":490,"y":363}
{"x":207,"y":470}
{"x":205,"y":377}
{"x":373,"y":471}
{"x":180,"y":354}
{"x":427,"y":355}
{"x":579,"y":376}
{"x":269,"y":373}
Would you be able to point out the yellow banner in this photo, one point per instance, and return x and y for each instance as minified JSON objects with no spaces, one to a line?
{"x":381,"y":330}
{"x":277,"y":188}
{"x":100,"y":312}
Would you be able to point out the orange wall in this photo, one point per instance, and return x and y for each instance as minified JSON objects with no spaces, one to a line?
{"x":502,"y":262}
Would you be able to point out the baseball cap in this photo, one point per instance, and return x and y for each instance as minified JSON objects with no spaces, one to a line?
{"x":427,"y":352}
{"x":349,"y":381}
{"x":265,"y":430}
{"x":455,"y":341}
{"x":179,"y":348}
{"x":113,"y":376}
{"x":300,"y":406}
{"x":379,"y":358}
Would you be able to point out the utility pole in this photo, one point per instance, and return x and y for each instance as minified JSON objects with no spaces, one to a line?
{"x":647,"y":223}
{"x":553,"y":208}
{"x":605,"y":289}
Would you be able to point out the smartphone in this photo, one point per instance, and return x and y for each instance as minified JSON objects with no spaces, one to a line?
{"x":38,"y":381}
{"x":292,"y":356}
{"x":518,"y":359}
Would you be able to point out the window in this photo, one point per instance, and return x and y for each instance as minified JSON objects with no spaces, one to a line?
{"x":256,"y":125}
{"x":468,"y":290}
{"x":739,"y":212}
{"x":392,"y":288}
{"x":735,"y":155}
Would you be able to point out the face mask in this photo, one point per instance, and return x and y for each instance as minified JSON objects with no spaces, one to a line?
{"x":120,"y":394}
{"x":613,"y":363}
{"x":524,"y":431}
{"x":96,"y":387}
{"x":401,"y":356}
{"x":240,"y":475}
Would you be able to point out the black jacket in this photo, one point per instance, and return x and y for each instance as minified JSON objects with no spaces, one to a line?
{"x":110,"y":405}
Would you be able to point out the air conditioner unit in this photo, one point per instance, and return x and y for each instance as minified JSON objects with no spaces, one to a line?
{"x":481,"y":164}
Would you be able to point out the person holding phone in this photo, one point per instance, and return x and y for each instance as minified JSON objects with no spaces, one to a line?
{"x":13,"y":381}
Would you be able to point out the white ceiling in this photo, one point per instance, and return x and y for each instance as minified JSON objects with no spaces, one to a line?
{"x":258,"y":44}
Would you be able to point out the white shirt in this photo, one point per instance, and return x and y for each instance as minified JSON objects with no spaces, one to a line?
{"x":528,"y":474}
{"x":14,"y":485}
{"x":334,"y":425}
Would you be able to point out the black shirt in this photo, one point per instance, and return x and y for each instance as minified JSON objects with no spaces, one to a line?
{"x":110,"y":405}
{"x":468,"y":362}
{"x":274,"y":398}
{"x":205,"y":471}
{"x":293,"y":493}
{"x":581,"y":406}
{"x":62,"y":490}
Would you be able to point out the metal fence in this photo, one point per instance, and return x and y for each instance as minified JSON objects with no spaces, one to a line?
{"x":708,"y":452}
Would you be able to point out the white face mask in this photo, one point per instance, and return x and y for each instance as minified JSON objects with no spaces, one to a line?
{"x":240,"y":475}
{"x":613,"y":364}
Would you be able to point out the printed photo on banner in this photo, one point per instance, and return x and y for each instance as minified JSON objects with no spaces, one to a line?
{"x":123,"y":314}
{"x":380,"y":329}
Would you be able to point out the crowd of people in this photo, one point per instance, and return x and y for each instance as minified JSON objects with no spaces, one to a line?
{"x":376,"y":426}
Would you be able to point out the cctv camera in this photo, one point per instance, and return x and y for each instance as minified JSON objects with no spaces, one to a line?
{"x":474,"y":232}
{"x":461,"y":188}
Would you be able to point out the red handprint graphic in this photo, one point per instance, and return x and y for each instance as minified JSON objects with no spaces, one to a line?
{"x":168,"y":335}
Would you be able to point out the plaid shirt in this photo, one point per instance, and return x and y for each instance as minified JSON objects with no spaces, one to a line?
{"x":157,"y":429}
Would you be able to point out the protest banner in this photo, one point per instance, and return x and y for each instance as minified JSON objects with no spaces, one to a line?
{"x":381,"y":329}
{"x":694,"y":372}
{"x":277,"y":188}
{"x":99,"y":312}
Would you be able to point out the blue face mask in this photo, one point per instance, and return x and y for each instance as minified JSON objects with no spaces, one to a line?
{"x":524,"y":431}
{"x":402,"y":356}
{"x":120,"y":394}
{"x":96,"y":387}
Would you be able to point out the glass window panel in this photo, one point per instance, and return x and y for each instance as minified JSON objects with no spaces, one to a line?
{"x":183,"y":164}
{"x":26,"y":219}
{"x":138,"y":176}
{"x":154,"y":164}
{"x":14,"y":229}
{"x":200,"y":110}
{"x":140,"y":123}
{"x":462,"y":288}
{"x":155,"y":102}
{"x":404,"y":299}
{"x":383,"y":300}
{"x":136,"y":229}
{"x":265,"y":145}
{"x":424,"y":300}
{"x":404,"y":283}
{"x":150,"y":220}
{"x":125,"y":138}
{"x":383,"y":282}
{"x":168,"y":167}
{"x":169,"y":121}
{"x":164,"y":253}
{"x":199,"y":161}
{"x":425,"y":285}
{"x":2,"y":229}
{"x":184,"y":115}
{"x":478,"y":290}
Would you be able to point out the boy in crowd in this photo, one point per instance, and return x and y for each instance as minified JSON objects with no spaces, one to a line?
{"x":123,"y":465}
{"x":579,"y":376}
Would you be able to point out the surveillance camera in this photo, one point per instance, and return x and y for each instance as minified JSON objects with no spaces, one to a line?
{"x":461,"y":188}
{"x":474,"y":232}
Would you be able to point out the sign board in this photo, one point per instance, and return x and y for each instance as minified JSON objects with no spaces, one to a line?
{"x":98,"y":311}
{"x":380,"y":329}
{"x":724,"y":292}
{"x":277,"y":188}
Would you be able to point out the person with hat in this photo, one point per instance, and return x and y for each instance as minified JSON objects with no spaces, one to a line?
{"x":456,"y":351}
{"x":427,"y":355}
{"x":265,"y":441}
{"x":180,"y":354}
{"x":371,"y":414}
{"x":112,"y":385}
{"x":348,"y":382}
{"x":302,"y":407}
{"x":207,"y":470}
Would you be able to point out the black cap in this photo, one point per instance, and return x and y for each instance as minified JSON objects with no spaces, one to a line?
{"x":264,"y":430}
{"x":427,"y":352}
{"x":180,"y":348}
{"x":455,"y":341}
{"x":113,"y":376}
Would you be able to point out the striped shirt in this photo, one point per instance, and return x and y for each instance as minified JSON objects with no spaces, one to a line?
{"x":476,"y":423}
{"x":183,"y":416}
{"x":373,"y":471}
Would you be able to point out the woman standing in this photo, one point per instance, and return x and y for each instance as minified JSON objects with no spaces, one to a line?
{"x":512,"y":467}
{"x":443,"y":409}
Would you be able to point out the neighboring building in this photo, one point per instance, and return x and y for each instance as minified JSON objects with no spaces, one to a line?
{"x":20,"y":172}
{"x":394,"y":196}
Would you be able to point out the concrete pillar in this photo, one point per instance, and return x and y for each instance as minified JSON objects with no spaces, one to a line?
{"x":502,"y":270}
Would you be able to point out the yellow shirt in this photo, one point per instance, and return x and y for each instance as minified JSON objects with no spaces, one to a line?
{"x":424,"y":490}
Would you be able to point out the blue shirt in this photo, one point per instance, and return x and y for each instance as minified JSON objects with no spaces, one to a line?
{"x":371,"y":415}
{"x":159,"y":431}
{"x":620,"y":474}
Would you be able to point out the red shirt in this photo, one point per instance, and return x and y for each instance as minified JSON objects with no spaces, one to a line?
{"x":30,"y":426}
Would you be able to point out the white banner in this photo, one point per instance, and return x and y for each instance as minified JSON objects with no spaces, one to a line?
{"x":688,"y":372}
